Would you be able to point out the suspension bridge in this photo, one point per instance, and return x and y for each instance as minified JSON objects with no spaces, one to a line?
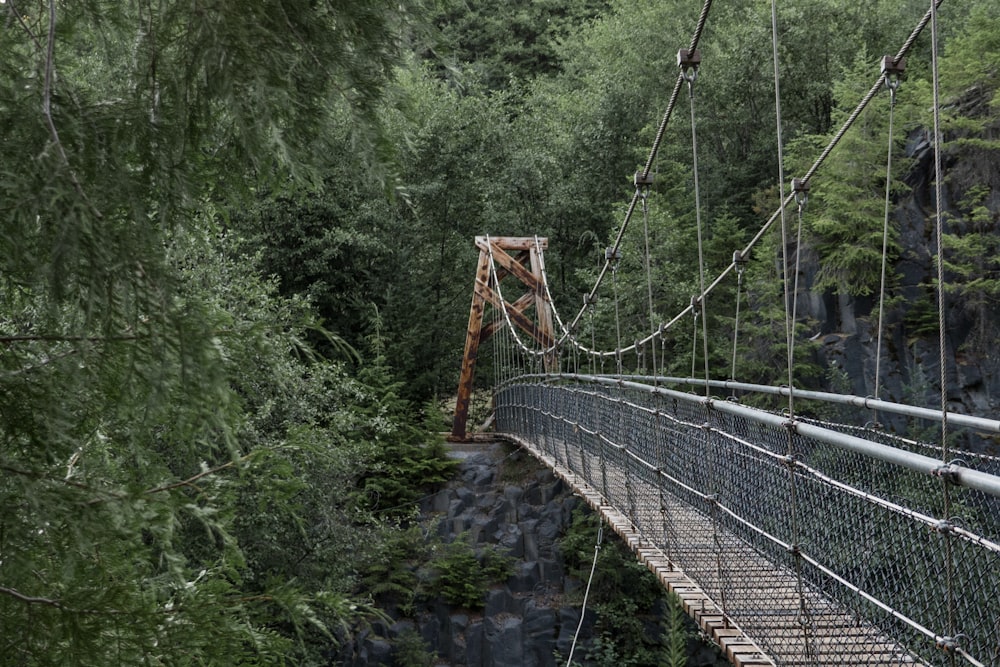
{"x":795,"y":527}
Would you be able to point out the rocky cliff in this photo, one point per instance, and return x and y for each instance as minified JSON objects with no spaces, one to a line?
{"x":502,"y":498}
{"x":846,"y":327}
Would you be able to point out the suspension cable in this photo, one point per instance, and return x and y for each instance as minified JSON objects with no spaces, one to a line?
{"x":654,"y":150}
{"x":786,"y":200}
{"x":611,"y":256}
{"x":649,"y":271}
{"x":892,"y":76}
{"x":740,"y":264}
{"x":586,"y":592}
{"x":801,"y":191}
{"x":689,"y":62}
{"x":789,"y":322}
{"x":939,"y":237}
{"x":939,"y":229}
{"x":694,"y":336}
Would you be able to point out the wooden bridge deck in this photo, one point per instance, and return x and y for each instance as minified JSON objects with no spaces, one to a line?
{"x":753,"y":587}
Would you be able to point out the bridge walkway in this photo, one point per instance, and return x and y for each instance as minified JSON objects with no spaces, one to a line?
{"x":817,"y":632}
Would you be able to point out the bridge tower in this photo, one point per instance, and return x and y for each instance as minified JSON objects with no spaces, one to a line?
{"x":522,"y":258}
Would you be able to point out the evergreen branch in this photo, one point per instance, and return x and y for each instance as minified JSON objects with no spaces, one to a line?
{"x":27,"y":29}
{"x":70,"y":339}
{"x":50,"y":49}
{"x":191,"y":480}
{"x":40,"y":364}
{"x":34,"y":474}
{"x":30,"y":599}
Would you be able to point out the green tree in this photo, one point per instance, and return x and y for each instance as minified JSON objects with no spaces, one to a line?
{"x":969,"y":80}
{"x":126,"y":444}
{"x":516,"y":40}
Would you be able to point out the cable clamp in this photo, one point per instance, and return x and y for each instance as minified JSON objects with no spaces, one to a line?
{"x":950,"y":644}
{"x":643,"y":180}
{"x":739,"y":261}
{"x":612,"y":254}
{"x":948,"y":473}
{"x":790,"y":425}
{"x":589,"y":299}
{"x":689,"y":61}
{"x":789,"y":460}
{"x":712,"y":497}
{"x":800,"y":187}
{"x":893,"y":72}
{"x":944,"y":526}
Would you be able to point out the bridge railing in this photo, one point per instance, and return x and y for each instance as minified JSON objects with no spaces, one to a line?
{"x":791,"y":526}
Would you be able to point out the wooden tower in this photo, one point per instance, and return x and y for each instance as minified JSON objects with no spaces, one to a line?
{"x":522,"y":258}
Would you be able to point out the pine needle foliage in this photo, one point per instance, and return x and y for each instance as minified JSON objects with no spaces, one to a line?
{"x":145,"y":382}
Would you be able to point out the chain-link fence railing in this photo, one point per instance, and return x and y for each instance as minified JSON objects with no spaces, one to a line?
{"x":828,"y":545}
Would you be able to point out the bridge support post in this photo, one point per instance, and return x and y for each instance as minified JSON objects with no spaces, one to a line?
{"x":527,"y":264}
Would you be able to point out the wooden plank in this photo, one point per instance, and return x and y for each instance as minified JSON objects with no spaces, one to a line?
{"x":519,"y":319}
{"x":693,"y":599}
{"x":515,"y":242}
{"x":764,"y":592}
{"x":521,"y":306}
{"x":512,"y":265}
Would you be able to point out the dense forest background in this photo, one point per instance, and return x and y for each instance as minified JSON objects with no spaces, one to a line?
{"x":236,"y":261}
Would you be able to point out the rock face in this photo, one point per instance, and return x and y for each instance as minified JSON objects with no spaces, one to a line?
{"x":846,"y":327}
{"x":502,"y":497}
{"x":511,"y":502}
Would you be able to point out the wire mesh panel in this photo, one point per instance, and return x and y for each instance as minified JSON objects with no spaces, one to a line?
{"x":823,"y":551}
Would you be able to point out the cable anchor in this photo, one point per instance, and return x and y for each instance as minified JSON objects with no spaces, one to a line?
{"x":944,"y":526}
{"x":689,"y":61}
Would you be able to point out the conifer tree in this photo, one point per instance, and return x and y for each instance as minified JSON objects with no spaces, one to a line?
{"x":126,"y":436}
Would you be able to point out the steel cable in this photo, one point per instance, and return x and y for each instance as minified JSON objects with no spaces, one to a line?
{"x":870,"y":559}
{"x":892,"y":85}
{"x":654,"y":150}
{"x":814,"y":168}
{"x":939,"y":234}
{"x":690,"y":75}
